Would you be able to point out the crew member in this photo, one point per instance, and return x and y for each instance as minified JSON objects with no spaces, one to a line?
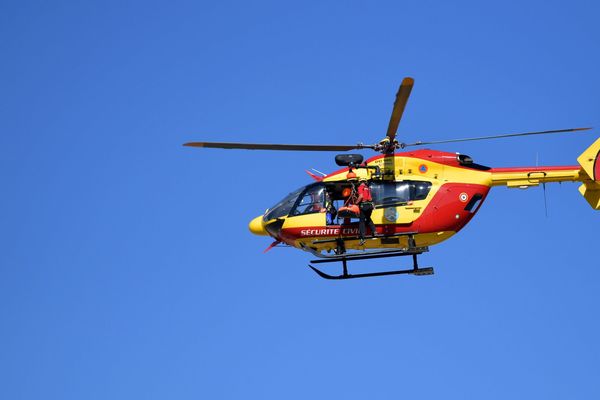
{"x":350,"y":208}
{"x":365,"y":204}
{"x":329,"y":209}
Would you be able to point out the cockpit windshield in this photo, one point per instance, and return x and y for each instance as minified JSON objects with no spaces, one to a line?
{"x":306,"y":200}
{"x":283,"y":208}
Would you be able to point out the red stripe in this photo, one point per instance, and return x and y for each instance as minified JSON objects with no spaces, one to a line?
{"x":530,"y":169}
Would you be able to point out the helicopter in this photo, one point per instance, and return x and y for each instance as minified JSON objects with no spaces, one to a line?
{"x":421,"y":197}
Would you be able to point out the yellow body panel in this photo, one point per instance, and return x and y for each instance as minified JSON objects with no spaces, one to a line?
{"x":257,"y":226}
{"x":315,"y":219}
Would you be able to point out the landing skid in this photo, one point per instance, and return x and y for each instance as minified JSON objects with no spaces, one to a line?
{"x":343,"y":257}
{"x":415,"y":270}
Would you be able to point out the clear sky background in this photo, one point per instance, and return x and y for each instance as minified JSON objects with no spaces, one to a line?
{"x":126,"y":267}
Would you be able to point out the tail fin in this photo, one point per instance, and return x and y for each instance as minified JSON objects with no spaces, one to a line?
{"x":590,"y":163}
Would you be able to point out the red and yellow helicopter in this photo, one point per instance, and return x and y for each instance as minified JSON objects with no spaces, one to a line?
{"x":421,"y":197}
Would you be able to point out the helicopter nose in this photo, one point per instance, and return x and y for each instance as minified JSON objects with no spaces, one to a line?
{"x":257,"y":226}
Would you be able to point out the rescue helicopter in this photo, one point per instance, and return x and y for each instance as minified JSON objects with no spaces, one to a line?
{"x":421,"y":197}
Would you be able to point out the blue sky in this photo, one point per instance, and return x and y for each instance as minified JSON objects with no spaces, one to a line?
{"x":127,"y":270}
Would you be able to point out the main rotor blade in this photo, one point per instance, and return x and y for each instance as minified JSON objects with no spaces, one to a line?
{"x":399,"y":104}
{"x":265,"y":146}
{"x":494,"y":137}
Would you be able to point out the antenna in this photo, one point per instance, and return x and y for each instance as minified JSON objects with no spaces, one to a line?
{"x":537,"y":164}
{"x":545,"y":202}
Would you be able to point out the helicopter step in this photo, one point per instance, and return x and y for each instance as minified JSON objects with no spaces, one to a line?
{"x":415,"y":270}
{"x":340,"y":250}
{"x":364,"y":255}
{"x":378,"y":236}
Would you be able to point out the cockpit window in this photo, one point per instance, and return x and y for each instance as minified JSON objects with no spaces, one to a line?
{"x":394,"y":193}
{"x":283,"y":208}
{"x":306,"y":200}
{"x":311,"y":201}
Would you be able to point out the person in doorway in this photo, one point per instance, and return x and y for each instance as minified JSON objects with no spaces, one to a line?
{"x":365,"y":204}
{"x":329,"y":209}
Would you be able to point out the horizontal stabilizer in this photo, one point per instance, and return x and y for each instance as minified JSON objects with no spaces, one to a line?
{"x":591,"y":192}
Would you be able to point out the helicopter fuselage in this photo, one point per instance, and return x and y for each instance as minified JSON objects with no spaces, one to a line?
{"x":430,"y":193}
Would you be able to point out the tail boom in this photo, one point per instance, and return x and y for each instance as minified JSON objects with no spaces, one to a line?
{"x":524,"y":177}
{"x":587,"y":172}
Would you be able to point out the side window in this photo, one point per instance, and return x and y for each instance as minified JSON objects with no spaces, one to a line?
{"x":311,"y":201}
{"x":420,"y":190}
{"x":395,"y":193}
{"x":390,"y":193}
